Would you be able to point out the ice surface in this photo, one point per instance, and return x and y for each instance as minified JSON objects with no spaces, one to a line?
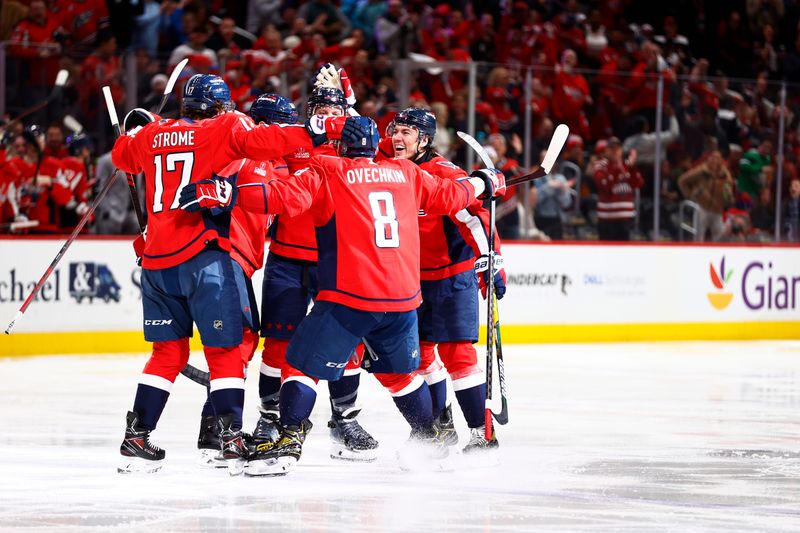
{"x":605,"y":437}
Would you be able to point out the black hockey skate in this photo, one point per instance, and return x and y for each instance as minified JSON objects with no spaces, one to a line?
{"x":208,"y":444}
{"x":478,"y":443}
{"x":138,"y":455}
{"x":445,"y":426}
{"x":268,"y":427}
{"x":350,"y":441}
{"x":231,"y":442}
{"x":426,"y":449}
{"x":280,"y":457}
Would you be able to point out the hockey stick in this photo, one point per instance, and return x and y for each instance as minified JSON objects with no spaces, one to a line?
{"x":72,"y":124}
{"x":492,"y":323}
{"x":22,"y":224}
{"x":112,"y":115}
{"x":173,"y":78}
{"x":61,"y":252}
{"x":493,"y":339}
{"x":61,"y":79}
{"x":200,"y":377}
{"x":556,"y":144}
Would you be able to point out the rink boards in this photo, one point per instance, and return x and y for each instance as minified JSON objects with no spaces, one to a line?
{"x":556,"y":293}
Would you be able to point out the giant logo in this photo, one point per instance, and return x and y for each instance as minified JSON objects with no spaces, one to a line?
{"x":720,"y":299}
{"x":92,"y":280}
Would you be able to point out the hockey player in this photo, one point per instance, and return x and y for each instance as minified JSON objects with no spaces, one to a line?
{"x":365,"y":214}
{"x":186,"y":270}
{"x":448,"y":316}
{"x":290,"y":284}
{"x":247,"y":236}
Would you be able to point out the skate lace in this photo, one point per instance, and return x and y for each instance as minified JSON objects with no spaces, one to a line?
{"x":352,"y":430}
{"x":146,"y":442}
{"x":151,"y":445}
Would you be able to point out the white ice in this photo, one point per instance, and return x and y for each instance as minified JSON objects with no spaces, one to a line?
{"x":602,"y":437}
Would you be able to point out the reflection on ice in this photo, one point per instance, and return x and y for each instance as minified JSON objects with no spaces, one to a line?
{"x":613,"y":437}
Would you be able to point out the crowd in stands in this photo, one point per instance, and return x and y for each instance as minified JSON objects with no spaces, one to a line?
{"x":595,"y":66}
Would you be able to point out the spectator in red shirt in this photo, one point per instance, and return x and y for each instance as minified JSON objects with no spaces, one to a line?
{"x":616,"y":181}
{"x":570,"y":95}
{"x":643,"y":83}
{"x":82,"y":19}
{"x":101,"y":68}
{"x":33,"y":43}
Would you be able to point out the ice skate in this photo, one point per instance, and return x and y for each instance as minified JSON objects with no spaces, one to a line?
{"x":445,"y":426}
{"x":208,"y":444}
{"x":350,"y":441}
{"x":478,"y":443}
{"x":425,"y":450}
{"x":231,"y":442}
{"x":138,"y":455}
{"x":268,"y":427}
{"x":280,"y":457}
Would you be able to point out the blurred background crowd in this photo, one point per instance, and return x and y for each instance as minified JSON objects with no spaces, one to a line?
{"x":685,"y":115}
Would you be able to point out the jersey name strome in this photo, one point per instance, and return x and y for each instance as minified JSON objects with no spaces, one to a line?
{"x":167,"y":139}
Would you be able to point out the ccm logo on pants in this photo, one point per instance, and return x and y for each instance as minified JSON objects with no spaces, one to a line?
{"x":158,"y":322}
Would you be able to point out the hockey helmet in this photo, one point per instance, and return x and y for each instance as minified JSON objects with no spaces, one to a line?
{"x":203,"y":91}
{"x":34,"y":135}
{"x":418,"y":118}
{"x":273,"y":109}
{"x":77,"y":142}
{"x":364,"y":145}
{"x":325,"y":96}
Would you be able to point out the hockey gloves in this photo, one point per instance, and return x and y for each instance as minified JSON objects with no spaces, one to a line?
{"x":138,"y":246}
{"x":482,"y":269}
{"x":494,"y":182}
{"x":329,"y":76}
{"x":323,"y":129}
{"x":215,"y":194}
{"x":137,"y":118}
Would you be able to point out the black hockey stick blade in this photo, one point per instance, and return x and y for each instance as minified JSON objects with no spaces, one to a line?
{"x":198,"y":376}
{"x":502,"y":416}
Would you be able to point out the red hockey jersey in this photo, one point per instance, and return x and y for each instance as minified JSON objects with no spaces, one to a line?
{"x":366,"y":218}
{"x":172,"y":153}
{"x":249,"y":229}
{"x":449,"y":244}
{"x":294,"y":237}
{"x":71,"y":182}
{"x":615,"y":186}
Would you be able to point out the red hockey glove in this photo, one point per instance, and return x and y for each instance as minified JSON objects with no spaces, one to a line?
{"x":208,"y":194}
{"x":138,"y":246}
{"x":482,"y":270}
{"x":494,"y":181}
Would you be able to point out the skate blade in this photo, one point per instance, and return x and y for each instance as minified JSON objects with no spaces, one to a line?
{"x":342,"y":453}
{"x":236,"y":466}
{"x":137,"y":465}
{"x":211,"y":459}
{"x":270,"y":467}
